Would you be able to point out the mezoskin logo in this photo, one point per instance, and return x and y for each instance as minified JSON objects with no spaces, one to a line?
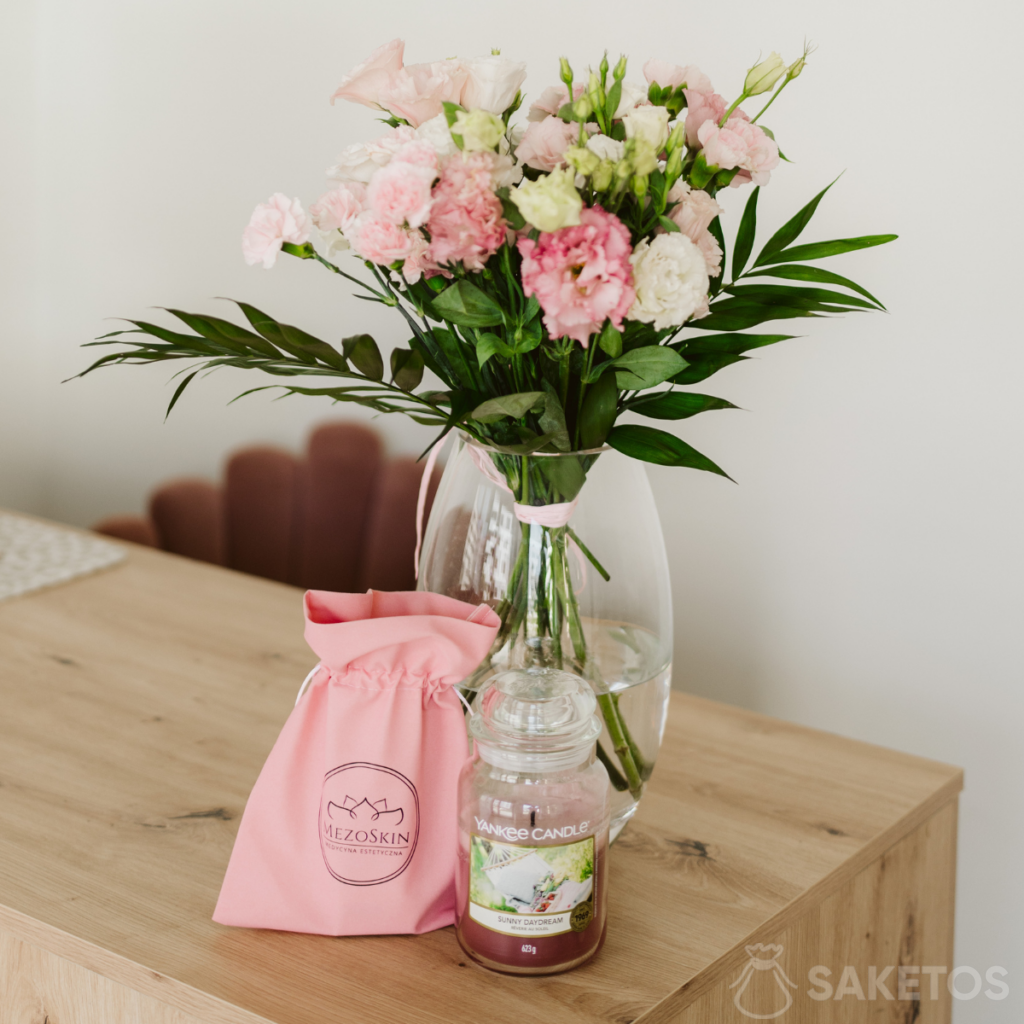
{"x":369,"y":823}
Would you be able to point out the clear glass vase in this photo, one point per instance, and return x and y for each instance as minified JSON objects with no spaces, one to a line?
{"x":568,"y":550}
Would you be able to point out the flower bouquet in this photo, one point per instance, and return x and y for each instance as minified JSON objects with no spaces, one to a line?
{"x":553,"y":277}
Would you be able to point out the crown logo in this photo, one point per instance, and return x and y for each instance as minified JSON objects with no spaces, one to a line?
{"x":351,"y":809}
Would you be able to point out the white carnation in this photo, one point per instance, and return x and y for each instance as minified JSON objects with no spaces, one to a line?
{"x":671,"y":281}
{"x":360,"y":161}
{"x":437,"y":134}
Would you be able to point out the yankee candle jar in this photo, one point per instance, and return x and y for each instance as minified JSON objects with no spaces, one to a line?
{"x":533,"y":826}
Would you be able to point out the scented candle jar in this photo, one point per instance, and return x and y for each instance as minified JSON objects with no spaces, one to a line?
{"x":533,"y":826}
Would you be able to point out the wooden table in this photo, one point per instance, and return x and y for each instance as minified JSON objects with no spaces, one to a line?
{"x":137,"y":707}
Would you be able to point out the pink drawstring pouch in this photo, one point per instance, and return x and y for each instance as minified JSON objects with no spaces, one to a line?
{"x":351,"y":827}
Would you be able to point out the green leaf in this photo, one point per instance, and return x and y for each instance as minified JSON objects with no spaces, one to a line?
{"x":715,"y":227}
{"x":740,"y":317}
{"x":565,"y":473}
{"x":745,"y":234}
{"x":466,"y":305}
{"x":552,"y":418}
{"x":790,"y":272}
{"x":406,"y":368}
{"x":702,"y":367}
{"x":223,"y":332}
{"x":488,"y":345}
{"x":659,"y":447}
{"x":668,"y":223}
{"x":646,"y":367}
{"x":293,"y":340}
{"x":822,"y":250}
{"x":515,"y":220}
{"x":677,"y":405}
{"x":362,"y":352}
{"x":790,"y":231}
{"x":516,"y":406}
{"x":453,"y":352}
{"x":787,"y":295}
{"x":730,"y":344}
{"x":600,"y":407}
{"x":610,"y":340}
{"x":178,"y":390}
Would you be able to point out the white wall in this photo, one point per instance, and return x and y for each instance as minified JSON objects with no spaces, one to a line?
{"x":865,"y":575}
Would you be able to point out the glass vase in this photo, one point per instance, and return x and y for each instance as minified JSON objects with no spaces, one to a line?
{"x":568,"y":549}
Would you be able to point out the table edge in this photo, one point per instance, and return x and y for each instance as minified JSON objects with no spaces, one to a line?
{"x":733,"y":960}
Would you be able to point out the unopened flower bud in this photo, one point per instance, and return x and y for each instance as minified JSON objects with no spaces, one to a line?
{"x":762,"y":77}
{"x":582,"y":108}
{"x":565,"y":70}
{"x":675,"y":140}
{"x":603,"y":67}
{"x":796,"y":67}
{"x":674,"y":166}
{"x":582,"y":159}
{"x":620,"y":69}
{"x":639,"y":185}
{"x":601,"y":179}
{"x":643,"y":156}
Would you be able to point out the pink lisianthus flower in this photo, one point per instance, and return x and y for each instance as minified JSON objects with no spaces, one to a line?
{"x":400,"y":192}
{"x":380,"y":240}
{"x":273,"y":223}
{"x":466,"y":224}
{"x":544,"y":144}
{"x":367,"y":81}
{"x":581,"y":275}
{"x":701,"y":107}
{"x":672,"y":75}
{"x":418,"y":91}
{"x":337,"y":210}
{"x":740,"y":144}
{"x":694,"y":212}
{"x":551,"y":100}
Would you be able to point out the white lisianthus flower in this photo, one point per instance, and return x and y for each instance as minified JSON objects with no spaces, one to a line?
{"x":762,"y":77}
{"x":480,"y":130}
{"x":492,"y":83}
{"x":437,"y":134}
{"x":551,"y":202}
{"x":632,"y":95}
{"x":605,"y":147}
{"x":671,"y":281}
{"x":649,"y":124}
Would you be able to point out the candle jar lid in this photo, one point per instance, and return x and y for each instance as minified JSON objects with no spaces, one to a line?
{"x":535,"y":719}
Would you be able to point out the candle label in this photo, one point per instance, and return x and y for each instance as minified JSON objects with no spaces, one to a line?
{"x":531,"y":890}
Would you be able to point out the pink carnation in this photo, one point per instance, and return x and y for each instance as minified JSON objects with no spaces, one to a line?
{"x":581,"y":275}
{"x":273,"y":223}
{"x":544,"y":144}
{"x":740,"y":144}
{"x":420,"y":153}
{"x":382,"y":241}
{"x":337,"y":209}
{"x":466,"y":223}
{"x":400,"y":192}
{"x":700,"y":107}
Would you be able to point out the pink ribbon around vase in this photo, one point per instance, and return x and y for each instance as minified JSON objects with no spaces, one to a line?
{"x":551,"y":516}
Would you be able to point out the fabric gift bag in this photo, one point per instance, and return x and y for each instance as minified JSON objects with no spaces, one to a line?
{"x":351,"y":827}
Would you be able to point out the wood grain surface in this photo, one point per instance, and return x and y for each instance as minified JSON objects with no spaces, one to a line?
{"x":138,"y":706}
